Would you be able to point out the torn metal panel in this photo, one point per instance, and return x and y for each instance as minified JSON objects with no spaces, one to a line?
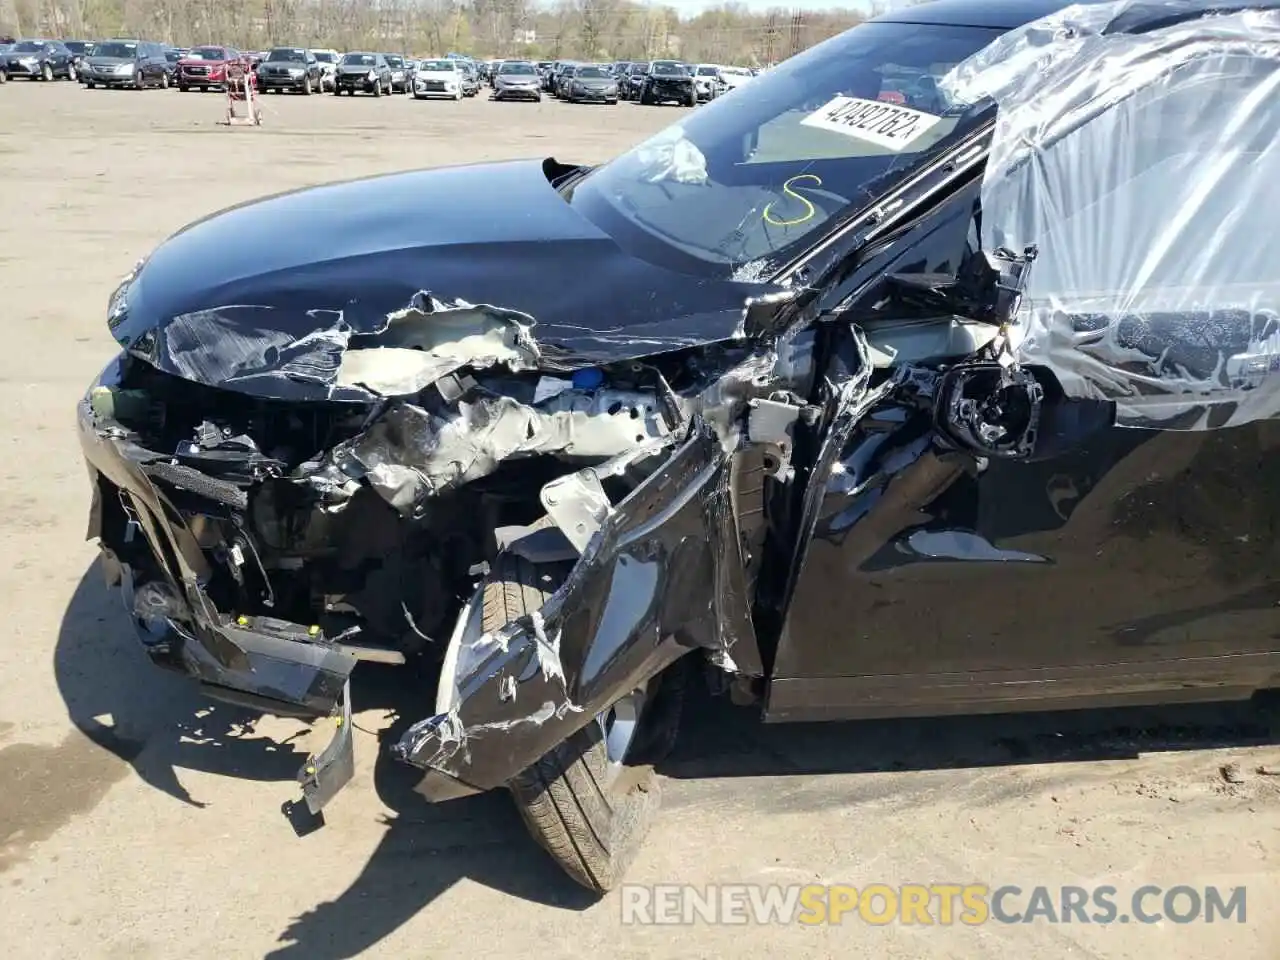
{"x":410,"y":454}
{"x":429,"y":339}
{"x":324,"y":774}
{"x":244,"y":346}
{"x":637,"y":600}
{"x":578,"y":505}
{"x":1144,"y":166}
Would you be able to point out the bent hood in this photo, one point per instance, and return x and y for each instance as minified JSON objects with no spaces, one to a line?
{"x":236,"y":285}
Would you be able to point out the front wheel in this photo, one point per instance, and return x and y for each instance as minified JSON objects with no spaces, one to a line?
{"x":71,"y":72}
{"x":46,"y":72}
{"x":138,"y":81}
{"x":590,"y":801}
{"x":377,"y":89}
{"x":306,"y":86}
{"x":164,"y":81}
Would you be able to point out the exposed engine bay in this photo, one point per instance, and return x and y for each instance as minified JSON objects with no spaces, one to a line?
{"x":369,"y":523}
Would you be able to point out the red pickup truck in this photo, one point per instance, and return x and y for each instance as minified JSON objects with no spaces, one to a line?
{"x":205,"y":68}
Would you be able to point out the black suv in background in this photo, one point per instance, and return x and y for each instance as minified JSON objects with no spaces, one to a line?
{"x":668,"y":80}
{"x":126,"y":63}
{"x":40,"y":60}
{"x":629,"y":83}
{"x":289,"y":68}
{"x":367,"y":72}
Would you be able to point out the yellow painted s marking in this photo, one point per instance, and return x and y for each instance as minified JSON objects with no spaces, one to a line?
{"x":787,"y":189}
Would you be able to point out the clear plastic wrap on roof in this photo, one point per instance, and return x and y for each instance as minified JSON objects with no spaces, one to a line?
{"x":1145,"y":166}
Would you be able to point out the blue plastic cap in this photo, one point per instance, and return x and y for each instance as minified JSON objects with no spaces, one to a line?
{"x":587,"y":379}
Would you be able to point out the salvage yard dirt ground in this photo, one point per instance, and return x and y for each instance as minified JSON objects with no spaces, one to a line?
{"x":139,"y":821}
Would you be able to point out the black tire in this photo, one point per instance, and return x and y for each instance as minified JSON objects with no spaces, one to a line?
{"x":377,"y":88}
{"x":164,"y":81}
{"x":692,"y":101}
{"x":46,"y":72}
{"x":591,"y":820}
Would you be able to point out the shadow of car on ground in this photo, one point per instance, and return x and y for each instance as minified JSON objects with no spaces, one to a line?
{"x":159,"y":723}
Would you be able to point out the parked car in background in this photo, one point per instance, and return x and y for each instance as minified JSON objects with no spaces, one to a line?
{"x":558,"y":78}
{"x":289,"y":68}
{"x":363,"y":72}
{"x":517,"y":80}
{"x":470,"y":79}
{"x":126,"y":63}
{"x":172,"y":57}
{"x":667,"y":81}
{"x":328,"y":61}
{"x":707,"y":82}
{"x":629,"y":86}
{"x":79,"y":50}
{"x":734,"y":77}
{"x":4,"y":67}
{"x":205,"y":68}
{"x":438,"y":79}
{"x":592,"y":83}
{"x":40,"y":60}
{"x":401,"y":78}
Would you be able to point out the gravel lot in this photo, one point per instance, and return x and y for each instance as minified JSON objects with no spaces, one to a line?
{"x":137,"y":820}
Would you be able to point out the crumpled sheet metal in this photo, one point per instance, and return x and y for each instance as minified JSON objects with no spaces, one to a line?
{"x":412,"y":348}
{"x":1146,"y":169}
{"x":636,"y":601}
{"x":410,"y":454}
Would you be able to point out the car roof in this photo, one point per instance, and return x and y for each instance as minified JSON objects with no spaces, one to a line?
{"x":1010,"y":14}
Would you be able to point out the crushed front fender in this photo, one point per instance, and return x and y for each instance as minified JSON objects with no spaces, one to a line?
{"x":655,"y":583}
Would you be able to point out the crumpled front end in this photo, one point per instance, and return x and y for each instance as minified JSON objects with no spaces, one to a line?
{"x":266,"y":546}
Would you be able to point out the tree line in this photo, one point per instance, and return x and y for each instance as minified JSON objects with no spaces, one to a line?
{"x":577,"y":29}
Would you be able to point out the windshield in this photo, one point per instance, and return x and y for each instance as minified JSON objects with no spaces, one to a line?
{"x":173,"y":56}
{"x":358,"y":60}
{"x":27,"y":46}
{"x":668,"y":66}
{"x":327,"y":57}
{"x":744,"y":179}
{"x":124,"y":51}
{"x":291,"y":56}
{"x":207,"y":53}
{"x":522,"y":69}
{"x":596,"y":72}
{"x":706,"y":71}
{"x":395,"y":62}
{"x":640,"y":68}
{"x":432,"y":66}
{"x":75,"y":46}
